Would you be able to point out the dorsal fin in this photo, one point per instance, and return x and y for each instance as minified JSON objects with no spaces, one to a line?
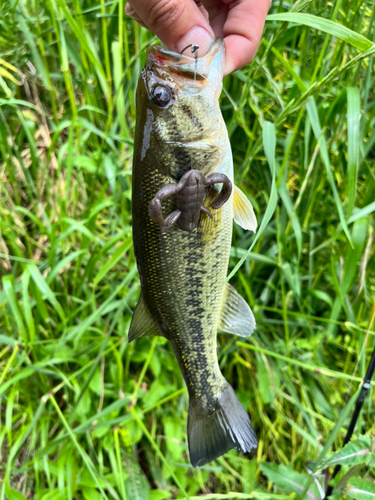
{"x":142,"y":323}
{"x":236,"y":316}
{"x":243,"y":210}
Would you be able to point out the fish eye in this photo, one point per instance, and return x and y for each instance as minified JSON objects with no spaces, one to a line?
{"x":162,"y":96}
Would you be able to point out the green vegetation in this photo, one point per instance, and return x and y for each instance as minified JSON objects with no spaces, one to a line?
{"x":86,"y":416}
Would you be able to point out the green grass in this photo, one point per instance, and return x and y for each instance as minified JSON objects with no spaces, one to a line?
{"x":86,"y":416}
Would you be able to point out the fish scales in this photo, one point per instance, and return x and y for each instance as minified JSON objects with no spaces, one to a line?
{"x":183,"y":273}
{"x":182,"y":289}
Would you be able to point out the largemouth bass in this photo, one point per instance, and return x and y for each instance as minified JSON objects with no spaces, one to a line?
{"x":183,"y":297}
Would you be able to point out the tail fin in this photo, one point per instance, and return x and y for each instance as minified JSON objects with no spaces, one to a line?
{"x":211,"y":433}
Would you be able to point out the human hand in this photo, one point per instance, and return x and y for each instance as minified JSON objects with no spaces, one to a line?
{"x":179,"y":23}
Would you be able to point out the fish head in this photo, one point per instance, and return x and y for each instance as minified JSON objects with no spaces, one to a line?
{"x":178,"y":101}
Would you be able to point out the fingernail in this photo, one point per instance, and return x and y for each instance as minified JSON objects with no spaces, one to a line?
{"x":129,"y":11}
{"x":197,"y":36}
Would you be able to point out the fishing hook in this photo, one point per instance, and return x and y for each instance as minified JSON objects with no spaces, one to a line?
{"x":194,"y":50}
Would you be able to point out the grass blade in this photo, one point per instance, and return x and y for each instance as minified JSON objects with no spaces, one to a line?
{"x":354,"y":105}
{"x":325,"y":25}
{"x":269,"y":143}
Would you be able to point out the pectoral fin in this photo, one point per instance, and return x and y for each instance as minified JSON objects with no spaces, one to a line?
{"x":236,"y":316}
{"x":142,"y":323}
{"x":243,"y":211}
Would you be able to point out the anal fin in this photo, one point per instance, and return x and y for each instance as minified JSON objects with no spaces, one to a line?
{"x":236,"y":316}
{"x":243,"y":210}
{"x":142,"y":323}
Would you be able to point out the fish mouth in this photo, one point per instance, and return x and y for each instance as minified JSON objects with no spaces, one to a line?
{"x":185,"y":69}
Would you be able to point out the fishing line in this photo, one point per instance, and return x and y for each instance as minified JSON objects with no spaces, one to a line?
{"x":194,"y":50}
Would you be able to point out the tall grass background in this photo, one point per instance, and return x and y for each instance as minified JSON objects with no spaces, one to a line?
{"x":84,"y":414}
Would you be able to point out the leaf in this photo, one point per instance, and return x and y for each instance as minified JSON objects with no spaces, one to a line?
{"x":110,"y":168}
{"x":363,"y":212}
{"x":288,"y":203}
{"x":256,"y":257}
{"x":288,"y":480}
{"x":79,"y":226}
{"x":319,"y":135}
{"x":95,"y":130}
{"x":85,"y":163}
{"x":91,"y":494}
{"x":269,"y":144}
{"x":25,"y":373}
{"x":45,"y":289}
{"x":291,"y":277}
{"x":18,"y":102}
{"x":355,"y":452}
{"x":321,"y":295}
{"x":159,"y":495}
{"x":8,"y":284}
{"x":80,"y":329}
{"x":118,"y":81}
{"x":87,"y":45}
{"x":8,"y":65}
{"x":7,"y":340}
{"x":339,"y":423}
{"x":352,"y":261}
{"x":136,"y":484}
{"x":37,"y":60}
{"x":263,"y":381}
{"x":60,"y":265}
{"x":118,"y":254}
{"x":6,"y":74}
{"x":325,"y":25}
{"x":27,"y":307}
{"x":14,"y":495}
{"x":85,"y":480}
{"x":361,"y":489}
{"x":314,"y":118}
{"x":156,"y":391}
{"x":173,"y":434}
{"x":354,"y":105}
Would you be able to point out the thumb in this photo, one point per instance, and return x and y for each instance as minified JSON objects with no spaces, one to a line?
{"x":177,"y":23}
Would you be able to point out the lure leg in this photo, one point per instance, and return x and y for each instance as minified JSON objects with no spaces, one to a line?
{"x":226,"y":191}
{"x":155,"y":209}
{"x":206,"y":211}
{"x":170,"y":220}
